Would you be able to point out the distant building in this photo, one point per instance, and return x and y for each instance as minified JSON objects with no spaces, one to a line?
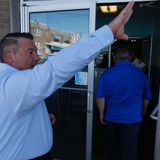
{"x":49,"y":39}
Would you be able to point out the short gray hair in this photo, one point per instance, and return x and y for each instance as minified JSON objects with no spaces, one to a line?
{"x":10,"y":42}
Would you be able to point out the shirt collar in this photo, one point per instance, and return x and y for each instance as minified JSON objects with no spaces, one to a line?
{"x":5,"y":67}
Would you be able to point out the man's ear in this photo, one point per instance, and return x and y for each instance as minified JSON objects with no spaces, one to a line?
{"x":9,"y":58}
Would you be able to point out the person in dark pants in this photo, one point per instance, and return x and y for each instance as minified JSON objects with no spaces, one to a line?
{"x":123,"y":93}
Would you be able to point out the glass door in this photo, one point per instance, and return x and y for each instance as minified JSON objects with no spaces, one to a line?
{"x":56,"y":25}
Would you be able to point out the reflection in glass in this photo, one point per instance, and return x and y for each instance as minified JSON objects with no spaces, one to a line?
{"x":54,"y":31}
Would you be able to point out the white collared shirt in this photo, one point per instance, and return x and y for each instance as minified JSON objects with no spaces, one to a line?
{"x":25,"y":129}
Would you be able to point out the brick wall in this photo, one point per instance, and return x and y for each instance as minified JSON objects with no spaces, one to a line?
{"x":4,"y":18}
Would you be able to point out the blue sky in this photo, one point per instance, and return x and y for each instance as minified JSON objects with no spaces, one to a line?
{"x":71,"y":21}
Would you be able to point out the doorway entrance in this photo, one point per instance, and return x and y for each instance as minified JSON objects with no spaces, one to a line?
{"x":142,"y":39}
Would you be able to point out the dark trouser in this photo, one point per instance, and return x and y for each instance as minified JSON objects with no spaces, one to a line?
{"x":122,"y":141}
{"x":47,"y":156}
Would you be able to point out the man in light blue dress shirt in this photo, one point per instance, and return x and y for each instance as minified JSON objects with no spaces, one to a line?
{"x":25,"y":128}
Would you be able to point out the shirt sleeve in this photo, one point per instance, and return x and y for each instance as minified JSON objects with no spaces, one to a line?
{"x":29,"y":87}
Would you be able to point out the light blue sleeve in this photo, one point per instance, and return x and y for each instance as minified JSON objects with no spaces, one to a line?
{"x":73,"y":58}
{"x":29,"y":87}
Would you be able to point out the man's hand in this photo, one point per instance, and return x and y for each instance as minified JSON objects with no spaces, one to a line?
{"x":117,"y":24}
{"x":52,"y":118}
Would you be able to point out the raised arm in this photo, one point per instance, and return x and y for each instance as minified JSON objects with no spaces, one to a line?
{"x":117,"y":24}
{"x":32,"y":86}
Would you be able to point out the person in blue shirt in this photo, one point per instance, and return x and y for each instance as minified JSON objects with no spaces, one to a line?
{"x":25,"y":127}
{"x":123,"y":93}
